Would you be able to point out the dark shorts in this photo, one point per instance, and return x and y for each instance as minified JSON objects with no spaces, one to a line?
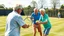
{"x":46,"y":31}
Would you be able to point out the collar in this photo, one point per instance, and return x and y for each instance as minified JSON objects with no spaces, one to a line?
{"x":43,"y":15}
{"x":16,"y":13}
{"x":35,"y":14}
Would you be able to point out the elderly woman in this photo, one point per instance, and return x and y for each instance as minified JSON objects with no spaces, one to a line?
{"x":45,"y":21}
{"x":14,"y":22}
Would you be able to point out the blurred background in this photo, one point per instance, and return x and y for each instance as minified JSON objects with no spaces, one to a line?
{"x":53,"y":8}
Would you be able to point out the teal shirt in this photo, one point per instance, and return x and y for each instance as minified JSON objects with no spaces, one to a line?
{"x":43,"y":19}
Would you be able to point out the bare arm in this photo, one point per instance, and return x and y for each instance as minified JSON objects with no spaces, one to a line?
{"x":42,"y":22}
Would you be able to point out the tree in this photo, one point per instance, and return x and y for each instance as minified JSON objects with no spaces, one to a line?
{"x":62,"y":6}
{"x":41,"y":3}
{"x":2,"y":6}
{"x":55,"y":3}
{"x":34,"y":4}
{"x":27,"y":10}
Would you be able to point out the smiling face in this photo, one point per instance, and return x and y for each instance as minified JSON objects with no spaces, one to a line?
{"x":35,"y":11}
{"x":42,"y":12}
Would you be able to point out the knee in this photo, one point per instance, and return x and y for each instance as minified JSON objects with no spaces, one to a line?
{"x":40,"y":31}
{"x":34,"y":32}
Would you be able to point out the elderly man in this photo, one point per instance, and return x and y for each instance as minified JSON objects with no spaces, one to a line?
{"x":14,"y":22}
{"x":45,"y":21}
{"x":34,"y":17}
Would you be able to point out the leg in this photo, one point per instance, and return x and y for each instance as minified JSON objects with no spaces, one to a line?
{"x":34,"y":30}
{"x":44,"y":35}
{"x":46,"y":31}
{"x":39,"y":30}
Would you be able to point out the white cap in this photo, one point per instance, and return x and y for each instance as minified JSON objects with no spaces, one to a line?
{"x":18,"y":7}
{"x":42,"y":10}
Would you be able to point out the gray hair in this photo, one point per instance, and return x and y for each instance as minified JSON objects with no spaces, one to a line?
{"x":18,"y":7}
{"x":42,"y":10}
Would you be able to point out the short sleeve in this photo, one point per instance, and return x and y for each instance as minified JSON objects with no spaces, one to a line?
{"x":46,"y":19}
{"x":20,"y":21}
{"x":40,"y":19}
{"x":32,"y":16}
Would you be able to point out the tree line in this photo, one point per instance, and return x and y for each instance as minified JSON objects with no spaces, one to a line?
{"x":28,"y":10}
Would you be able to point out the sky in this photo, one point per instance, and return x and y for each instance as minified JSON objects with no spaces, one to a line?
{"x":12,"y":3}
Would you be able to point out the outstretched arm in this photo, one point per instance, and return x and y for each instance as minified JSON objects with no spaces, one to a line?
{"x":43,"y":22}
{"x":39,"y":22}
{"x":21,"y":22}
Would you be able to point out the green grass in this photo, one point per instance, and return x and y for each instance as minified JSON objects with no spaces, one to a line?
{"x":56,"y":30}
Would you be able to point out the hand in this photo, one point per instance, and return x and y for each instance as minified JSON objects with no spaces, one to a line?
{"x":37,"y":22}
{"x":27,"y":26}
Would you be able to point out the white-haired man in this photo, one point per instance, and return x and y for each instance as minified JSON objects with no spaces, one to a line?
{"x":14,"y":22}
{"x":45,"y":21}
{"x":35,"y":16}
